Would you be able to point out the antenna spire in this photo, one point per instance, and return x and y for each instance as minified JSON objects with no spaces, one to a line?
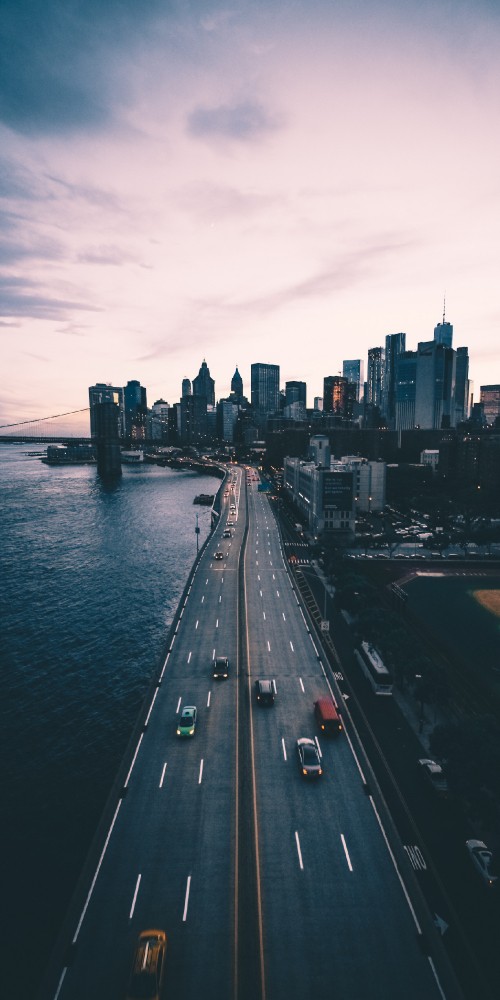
{"x":444,"y":308}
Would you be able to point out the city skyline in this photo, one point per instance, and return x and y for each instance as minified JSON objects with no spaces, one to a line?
{"x":278,"y":183}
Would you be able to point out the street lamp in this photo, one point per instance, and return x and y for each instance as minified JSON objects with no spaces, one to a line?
{"x":197,"y":532}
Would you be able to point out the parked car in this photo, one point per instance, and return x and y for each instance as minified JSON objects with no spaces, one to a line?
{"x":187,"y":723}
{"x":434,"y":775}
{"x":148,"y":966}
{"x":308,"y":758}
{"x":483,"y":860}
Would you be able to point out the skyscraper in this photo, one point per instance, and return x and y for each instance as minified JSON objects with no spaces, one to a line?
{"x":335,"y":395}
{"x":462,"y":385}
{"x":375,"y":376}
{"x":237,"y":386}
{"x":203,"y":385}
{"x":186,"y":387}
{"x":425,"y":387}
{"x":265,"y":389}
{"x":443,"y":332}
{"x":136,"y":408}
{"x":354,"y":371}
{"x":295,"y":392}
{"x":395,"y":344}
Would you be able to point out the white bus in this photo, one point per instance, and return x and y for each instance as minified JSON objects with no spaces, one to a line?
{"x":374,"y":668}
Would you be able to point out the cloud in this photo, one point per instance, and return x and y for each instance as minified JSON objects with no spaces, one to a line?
{"x":22,"y":297}
{"x":57,"y":60}
{"x":243,"y":122}
{"x":109,"y":255}
{"x":213,"y":202}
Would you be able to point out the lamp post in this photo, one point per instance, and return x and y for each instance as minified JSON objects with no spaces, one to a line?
{"x":197,"y":532}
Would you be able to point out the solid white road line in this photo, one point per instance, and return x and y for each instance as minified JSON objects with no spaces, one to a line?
{"x":151,"y":708}
{"x":186,"y":901}
{"x":201,"y":771}
{"x":299,"y":852}
{"x":162,"y":776}
{"x":132,"y":908}
{"x":178,"y":706}
{"x":133,"y":761}
{"x":94,"y":880}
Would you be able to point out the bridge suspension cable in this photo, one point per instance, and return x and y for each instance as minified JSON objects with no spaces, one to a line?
{"x":36,"y":420}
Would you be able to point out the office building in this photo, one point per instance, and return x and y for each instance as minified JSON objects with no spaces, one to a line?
{"x":375,"y":377}
{"x":186,"y":387}
{"x":369,"y":479}
{"x":462,"y":385}
{"x":335,"y":395}
{"x":265,"y":390}
{"x":104,"y":392}
{"x":324,"y":496}
{"x":295,"y":392}
{"x":354,"y":371}
{"x":158,"y":422}
{"x":204,"y":385}
{"x":237,"y":386}
{"x":443,"y":332}
{"x":136,"y":408}
{"x":425,"y":387}
{"x":490,"y":400}
{"x":395,"y":344}
{"x":435,"y":390}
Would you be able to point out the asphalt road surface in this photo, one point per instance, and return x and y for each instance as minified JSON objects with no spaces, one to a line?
{"x":269,"y":885}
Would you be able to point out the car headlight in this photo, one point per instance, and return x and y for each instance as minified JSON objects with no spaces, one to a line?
{"x":304,"y":770}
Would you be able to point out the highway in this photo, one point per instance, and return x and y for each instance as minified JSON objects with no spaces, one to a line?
{"x":268,"y":885}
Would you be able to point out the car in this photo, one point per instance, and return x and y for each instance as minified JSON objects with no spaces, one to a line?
{"x":265,"y":691}
{"x":226,"y":533}
{"x":220,"y":667}
{"x":309,"y":758}
{"x":187,"y":723}
{"x":230,"y":524}
{"x":148,"y":966}
{"x":483,"y":860}
{"x":434,"y":775}
{"x":218,"y":555}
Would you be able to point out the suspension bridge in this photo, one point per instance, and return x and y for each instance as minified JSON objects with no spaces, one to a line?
{"x":71,"y":427}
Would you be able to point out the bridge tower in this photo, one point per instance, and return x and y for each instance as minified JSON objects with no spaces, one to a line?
{"x":107,"y":438}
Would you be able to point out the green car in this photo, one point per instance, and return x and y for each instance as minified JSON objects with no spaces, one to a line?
{"x":187,"y":722}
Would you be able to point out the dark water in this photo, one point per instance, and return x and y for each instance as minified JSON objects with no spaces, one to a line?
{"x":90,"y":578}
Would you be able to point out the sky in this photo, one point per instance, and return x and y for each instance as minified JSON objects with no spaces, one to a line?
{"x":277,"y":181}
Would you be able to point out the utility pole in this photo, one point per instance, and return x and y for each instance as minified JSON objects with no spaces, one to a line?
{"x":197,"y":532}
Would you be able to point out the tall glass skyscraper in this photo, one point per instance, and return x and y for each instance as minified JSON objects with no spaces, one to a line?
{"x":375,"y":376}
{"x":265,"y":389}
{"x":395,"y":344}
{"x":354,"y":371}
